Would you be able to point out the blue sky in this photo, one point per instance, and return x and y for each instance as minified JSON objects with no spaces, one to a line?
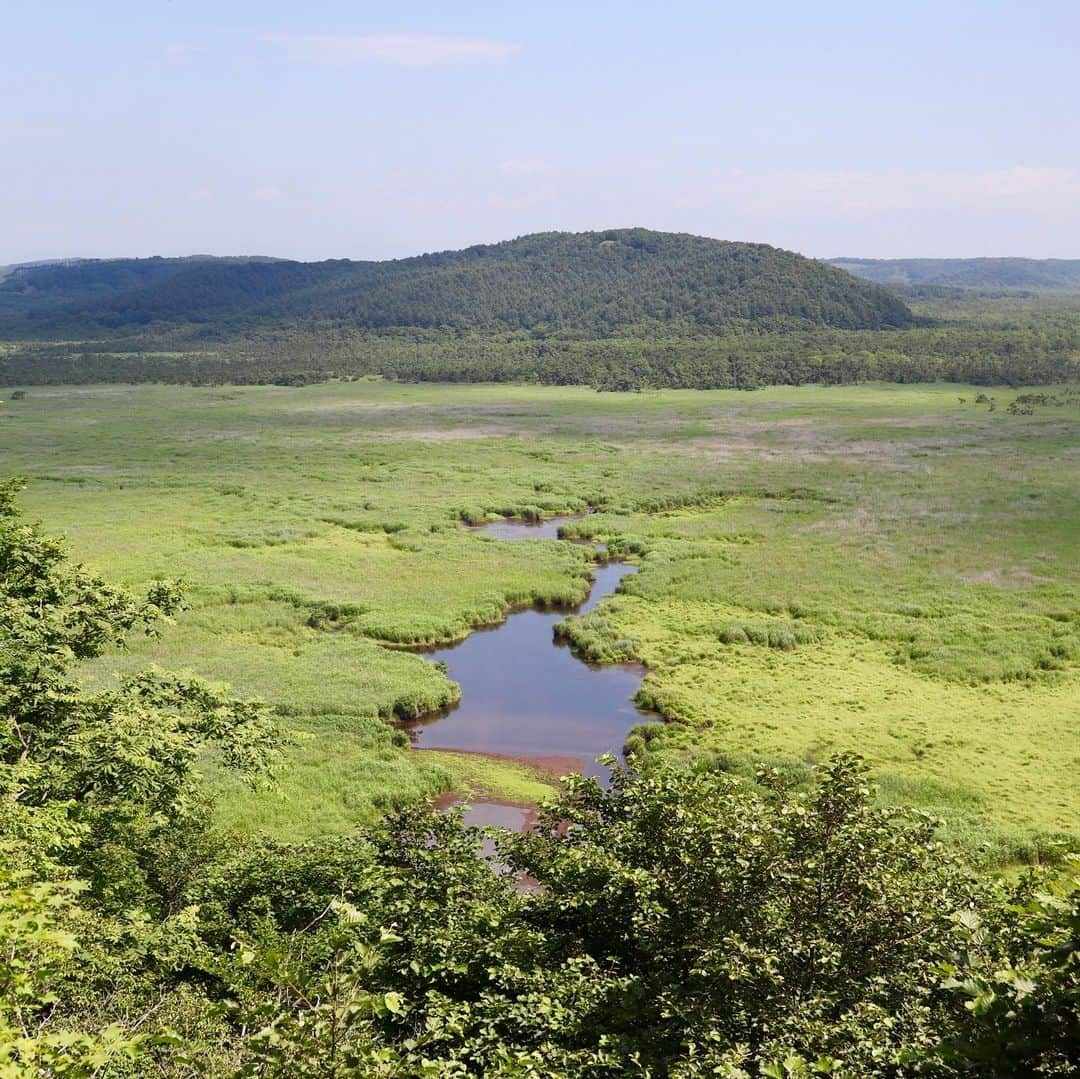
{"x":372,"y":130}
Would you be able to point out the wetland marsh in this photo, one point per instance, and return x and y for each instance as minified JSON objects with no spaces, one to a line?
{"x":888,"y":569}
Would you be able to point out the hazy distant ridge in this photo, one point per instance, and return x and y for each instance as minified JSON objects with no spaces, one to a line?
{"x":967,"y":273}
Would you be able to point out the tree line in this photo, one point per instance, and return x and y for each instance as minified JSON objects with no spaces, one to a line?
{"x":1033,"y":354}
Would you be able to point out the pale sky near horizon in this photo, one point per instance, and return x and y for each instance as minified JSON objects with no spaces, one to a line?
{"x":374,"y":130}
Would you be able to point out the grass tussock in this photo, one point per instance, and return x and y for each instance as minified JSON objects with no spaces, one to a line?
{"x":786,"y":636}
{"x":594,"y":637}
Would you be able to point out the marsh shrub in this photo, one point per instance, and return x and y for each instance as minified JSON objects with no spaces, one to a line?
{"x":472,"y":516}
{"x":785,"y":636}
{"x":626,"y":547}
{"x":324,"y":618}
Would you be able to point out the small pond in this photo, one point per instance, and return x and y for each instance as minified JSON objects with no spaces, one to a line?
{"x":526,"y":696}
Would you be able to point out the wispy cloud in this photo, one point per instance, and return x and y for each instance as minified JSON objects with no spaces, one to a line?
{"x":529,"y":166}
{"x":394,"y":50}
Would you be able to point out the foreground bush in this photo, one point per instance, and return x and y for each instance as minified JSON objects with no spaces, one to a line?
{"x":680,"y":925}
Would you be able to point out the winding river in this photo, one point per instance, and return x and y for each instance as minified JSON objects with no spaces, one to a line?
{"x":527,"y":697}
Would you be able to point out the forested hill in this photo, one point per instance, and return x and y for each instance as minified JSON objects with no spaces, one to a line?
{"x":592,"y":283}
{"x":66,"y":285}
{"x":991,"y":273}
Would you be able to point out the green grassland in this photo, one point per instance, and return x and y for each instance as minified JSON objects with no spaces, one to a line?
{"x":888,"y":569}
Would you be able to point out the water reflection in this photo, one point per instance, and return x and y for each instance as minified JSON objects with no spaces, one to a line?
{"x":512,"y":529}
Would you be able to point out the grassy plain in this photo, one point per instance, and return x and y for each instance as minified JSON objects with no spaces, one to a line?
{"x":887,"y":569}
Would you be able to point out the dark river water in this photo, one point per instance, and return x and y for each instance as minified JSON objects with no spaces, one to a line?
{"x":525,"y":696}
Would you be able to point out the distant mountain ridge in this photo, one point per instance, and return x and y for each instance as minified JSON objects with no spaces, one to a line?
{"x":591,"y":283}
{"x":1016,"y":273}
{"x":78,"y":280}
{"x":21,"y":267}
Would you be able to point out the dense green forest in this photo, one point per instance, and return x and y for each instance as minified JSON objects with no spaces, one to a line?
{"x":980,"y":273}
{"x":621,"y":310}
{"x":680,"y":923}
{"x":593,"y":282}
{"x":1040,"y":349}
